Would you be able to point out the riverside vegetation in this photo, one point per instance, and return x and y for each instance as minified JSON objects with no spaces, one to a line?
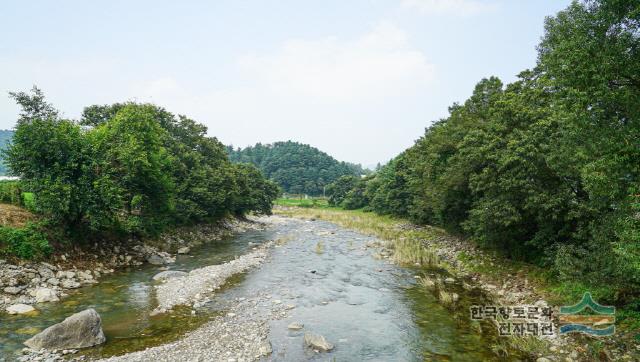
{"x":484,"y":274}
{"x":121,"y":171}
{"x":544,"y":170}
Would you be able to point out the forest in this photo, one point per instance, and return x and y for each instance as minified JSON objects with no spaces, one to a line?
{"x":544,"y":170}
{"x":298,"y":168}
{"x":122,"y":169}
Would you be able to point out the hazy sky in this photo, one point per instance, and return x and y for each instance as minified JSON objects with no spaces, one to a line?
{"x":357,"y":79}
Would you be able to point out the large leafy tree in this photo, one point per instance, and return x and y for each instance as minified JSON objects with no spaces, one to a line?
{"x":132,"y":167}
{"x":128,"y":167}
{"x":50,"y":155}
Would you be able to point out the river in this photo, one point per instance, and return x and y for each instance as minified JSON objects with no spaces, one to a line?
{"x":368,"y":307}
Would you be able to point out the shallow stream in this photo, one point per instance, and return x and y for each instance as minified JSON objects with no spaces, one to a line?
{"x":369,"y":308}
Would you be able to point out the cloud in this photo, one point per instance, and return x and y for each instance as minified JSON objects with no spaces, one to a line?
{"x":330,"y":92}
{"x":330,"y":70}
{"x":452,"y":7}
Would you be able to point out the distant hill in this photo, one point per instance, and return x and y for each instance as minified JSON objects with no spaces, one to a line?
{"x":5,"y":138}
{"x":298,"y":168}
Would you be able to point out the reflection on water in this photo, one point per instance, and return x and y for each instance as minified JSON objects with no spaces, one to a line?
{"x":124,"y":301}
{"x":370,"y":309}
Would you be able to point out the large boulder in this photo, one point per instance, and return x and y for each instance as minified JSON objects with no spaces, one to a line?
{"x":317,"y":342}
{"x":81,"y":330}
{"x":20,"y":309}
{"x":46,"y":295}
{"x":170,"y":274}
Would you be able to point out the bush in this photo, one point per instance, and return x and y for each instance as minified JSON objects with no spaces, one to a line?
{"x":27,"y":242}
{"x":10,"y":192}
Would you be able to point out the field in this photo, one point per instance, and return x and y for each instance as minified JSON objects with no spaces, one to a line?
{"x":302,"y":202}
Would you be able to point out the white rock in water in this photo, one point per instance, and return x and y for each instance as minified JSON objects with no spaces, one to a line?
{"x":156,"y":260}
{"x":20,"y":309}
{"x":184,"y":250}
{"x":46,"y":295}
{"x":170,"y":274}
{"x":317,"y":341}
{"x":265,"y":349}
{"x":295,"y":326}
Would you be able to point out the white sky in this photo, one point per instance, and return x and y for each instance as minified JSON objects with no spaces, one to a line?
{"x":358,"y":79}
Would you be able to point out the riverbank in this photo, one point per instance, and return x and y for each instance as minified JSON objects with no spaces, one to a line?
{"x":323,"y":280}
{"x":29,"y":283}
{"x":506,"y":282}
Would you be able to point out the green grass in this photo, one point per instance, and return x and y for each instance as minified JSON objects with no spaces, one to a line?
{"x":307,"y":203}
{"x":28,"y":199}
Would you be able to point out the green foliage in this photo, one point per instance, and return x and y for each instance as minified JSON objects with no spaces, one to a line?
{"x":27,"y":242}
{"x":132,"y":183}
{"x":337,"y":190}
{"x":50,"y":156}
{"x":296,"y":167}
{"x":254,"y":192}
{"x":357,"y":197}
{"x":306,"y":203}
{"x":10,"y":192}
{"x":132,"y":168}
{"x":546,"y":169}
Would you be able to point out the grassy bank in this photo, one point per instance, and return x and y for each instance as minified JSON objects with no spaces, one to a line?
{"x":426,"y":245}
{"x":302,"y":202}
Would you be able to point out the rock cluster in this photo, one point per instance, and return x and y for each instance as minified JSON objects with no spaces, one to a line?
{"x":41,"y":282}
{"x":31,"y":283}
{"x":195,"y":287}
{"x":241,"y":335}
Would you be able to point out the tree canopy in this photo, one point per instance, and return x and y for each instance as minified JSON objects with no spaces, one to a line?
{"x":128,"y":168}
{"x":546,"y":169}
{"x":296,"y":167}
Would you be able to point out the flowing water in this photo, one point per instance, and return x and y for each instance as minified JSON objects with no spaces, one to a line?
{"x":370,"y":309}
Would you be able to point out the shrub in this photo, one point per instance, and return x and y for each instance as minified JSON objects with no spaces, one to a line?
{"x":27,"y":242}
{"x":10,"y":192}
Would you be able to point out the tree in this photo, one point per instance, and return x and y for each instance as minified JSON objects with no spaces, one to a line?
{"x":254,"y":192}
{"x":133,"y":180}
{"x":337,"y":190}
{"x":49,"y":155}
{"x":297,"y":168}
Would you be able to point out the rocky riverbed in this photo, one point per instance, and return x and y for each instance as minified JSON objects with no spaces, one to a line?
{"x":24,"y":283}
{"x":198,"y":286}
{"x":307,"y":290}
